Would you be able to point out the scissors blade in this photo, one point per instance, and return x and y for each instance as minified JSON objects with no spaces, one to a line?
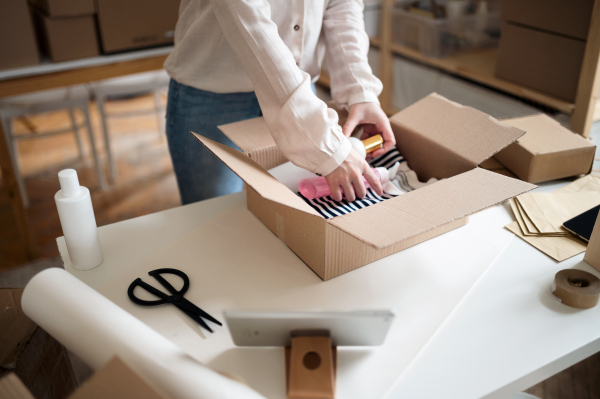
{"x":195,"y":317}
{"x":185,"y":304}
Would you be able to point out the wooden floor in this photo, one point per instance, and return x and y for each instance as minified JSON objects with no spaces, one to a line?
{"x":146,"y":184}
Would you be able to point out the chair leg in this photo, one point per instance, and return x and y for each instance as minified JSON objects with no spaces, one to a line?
{"x":159,"y":113}
{"x":11,"y":143}
{"x":99,"y":172}
{"x":112,"y":167}
{"x":76,"y":133}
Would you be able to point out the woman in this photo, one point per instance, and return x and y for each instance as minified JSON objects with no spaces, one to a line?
{"x":240,"y":59}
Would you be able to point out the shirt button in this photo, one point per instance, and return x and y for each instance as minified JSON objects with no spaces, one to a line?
{"x":296,"y":27}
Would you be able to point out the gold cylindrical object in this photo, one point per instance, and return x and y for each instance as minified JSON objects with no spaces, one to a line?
{"x":373,"y":143}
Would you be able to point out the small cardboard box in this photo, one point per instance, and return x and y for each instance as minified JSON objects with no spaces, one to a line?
{"x":67,"y":38}
{"x":547,"y":151}
{"x":64,"y":8}
{"x":18,"y":47}
{"x":540,"y":60}
{"x":569,"y":18}
{"x":132,"y":24}
{"x":439,"y":139}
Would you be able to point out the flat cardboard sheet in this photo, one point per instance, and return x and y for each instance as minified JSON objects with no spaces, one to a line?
{"x":558,"y":248}
{"x":548,"y":211}
{"x":555,"y":245}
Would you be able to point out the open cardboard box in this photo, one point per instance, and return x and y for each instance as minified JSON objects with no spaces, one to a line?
{"x":438,"y":138}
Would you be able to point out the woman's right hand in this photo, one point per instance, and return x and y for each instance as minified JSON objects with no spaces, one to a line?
{"x":348,"y":176}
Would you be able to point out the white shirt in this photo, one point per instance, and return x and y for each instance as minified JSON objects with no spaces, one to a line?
{"x":275,"y":48}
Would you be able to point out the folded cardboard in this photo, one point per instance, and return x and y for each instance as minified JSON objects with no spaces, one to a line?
{"x":29,"y":352}
{"x":439,"y":138}
{"x":126,"y":25}
{"x":18,"y":47}
{"x":67,"y":38}
{"x":115,"y":380}
{"x":543,"y":61}
{"x":569,"y":18}
{"x":64,"y":8}
{"x":547,"y":151}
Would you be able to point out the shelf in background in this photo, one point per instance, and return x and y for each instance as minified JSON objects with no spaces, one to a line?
{"x":479,"y":66}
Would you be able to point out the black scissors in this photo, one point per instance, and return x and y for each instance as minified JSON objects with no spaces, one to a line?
{"x":176,"y":298}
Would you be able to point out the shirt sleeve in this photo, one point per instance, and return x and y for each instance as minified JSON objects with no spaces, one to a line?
{"x":305,"y":130}
{"x":352,"y":80}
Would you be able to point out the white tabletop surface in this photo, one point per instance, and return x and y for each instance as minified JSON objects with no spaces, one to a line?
{"x":51,"y":67}
{"x":481,"y":295}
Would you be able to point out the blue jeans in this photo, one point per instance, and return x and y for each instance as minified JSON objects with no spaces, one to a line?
{"x":200,"y":174}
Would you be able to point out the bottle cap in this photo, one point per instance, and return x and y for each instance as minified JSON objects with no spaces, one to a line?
{"x":373,"y":143}
{"x":69,"y":183}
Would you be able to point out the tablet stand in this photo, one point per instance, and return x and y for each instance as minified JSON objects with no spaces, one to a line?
{"x":310,"y":366}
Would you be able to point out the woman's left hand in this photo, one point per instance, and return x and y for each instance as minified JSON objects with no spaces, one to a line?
{"x":374,"y":121}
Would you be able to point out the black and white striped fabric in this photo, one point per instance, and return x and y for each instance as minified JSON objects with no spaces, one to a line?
{"x":329,"y":208}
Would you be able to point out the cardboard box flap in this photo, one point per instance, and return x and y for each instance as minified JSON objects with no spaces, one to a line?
{"x":429,"y":207}
{"x":249,"y":135}
{"x":255,"y":176}
{"x":545,"y":135}
{"x":472,"y":134}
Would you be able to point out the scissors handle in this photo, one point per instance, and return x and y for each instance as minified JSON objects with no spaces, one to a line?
{"x":138,"y":282}
{"x":157,"y":275}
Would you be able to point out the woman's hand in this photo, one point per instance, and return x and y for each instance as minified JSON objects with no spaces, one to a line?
{"x":374,"y":121}
{"x":348,"y":176}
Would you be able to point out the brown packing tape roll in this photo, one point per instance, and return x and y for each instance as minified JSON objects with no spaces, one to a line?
{"x":576,"y":288}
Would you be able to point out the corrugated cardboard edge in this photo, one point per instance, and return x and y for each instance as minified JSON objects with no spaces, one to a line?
{"x":345,"y":253}
{"x":421,"y":210}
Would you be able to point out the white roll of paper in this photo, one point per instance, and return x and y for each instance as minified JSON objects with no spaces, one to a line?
{"x":96,"y":329}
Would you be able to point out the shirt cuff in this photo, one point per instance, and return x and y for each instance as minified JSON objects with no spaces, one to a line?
{"x":336,"y":159}
{"x":364,"y":96}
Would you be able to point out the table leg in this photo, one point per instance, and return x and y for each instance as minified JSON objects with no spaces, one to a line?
{"x":8,"y":174}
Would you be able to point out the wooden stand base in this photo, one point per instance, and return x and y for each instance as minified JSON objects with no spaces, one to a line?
{"x":310,"y":368}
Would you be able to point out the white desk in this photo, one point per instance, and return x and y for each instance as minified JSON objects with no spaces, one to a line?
{"x":505,"y":335}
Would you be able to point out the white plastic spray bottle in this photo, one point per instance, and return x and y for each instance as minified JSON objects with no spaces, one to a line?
{"x":78,"y":222}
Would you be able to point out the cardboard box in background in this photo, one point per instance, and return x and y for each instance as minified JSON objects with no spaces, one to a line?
{"x":66,"y":38}
{"x":547,"y":151}
{"x":132,"y":24}
{"x":542,"y":61}
{"x":64,"y":8}
{"x":439,"y":139}
{"x":18,"y":47}
{"x":39,"y":361}
{"x":569,"y":18}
